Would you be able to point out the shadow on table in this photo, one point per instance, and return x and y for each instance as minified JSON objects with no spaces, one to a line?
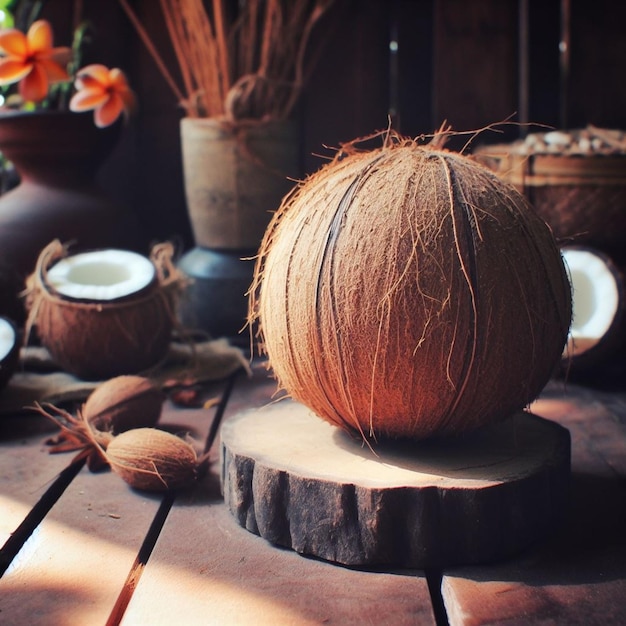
{"x":42,"y":604}
{"x":589,"y":548}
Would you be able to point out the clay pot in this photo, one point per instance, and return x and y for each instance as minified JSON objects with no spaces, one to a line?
{"x":57,"y":155}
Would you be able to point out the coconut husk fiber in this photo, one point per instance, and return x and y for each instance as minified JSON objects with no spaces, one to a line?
{"x":407,"y":291}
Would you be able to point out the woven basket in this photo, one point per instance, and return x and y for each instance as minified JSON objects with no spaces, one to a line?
{"x":582,"y":198}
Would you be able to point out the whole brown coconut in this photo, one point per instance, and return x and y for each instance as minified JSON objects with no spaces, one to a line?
{"x":408,"y":292}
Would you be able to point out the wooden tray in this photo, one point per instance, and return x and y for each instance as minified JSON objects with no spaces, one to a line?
{"x":299,"y":482}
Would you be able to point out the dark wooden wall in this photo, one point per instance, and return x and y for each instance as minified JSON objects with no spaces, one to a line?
{"x":456,"y":61}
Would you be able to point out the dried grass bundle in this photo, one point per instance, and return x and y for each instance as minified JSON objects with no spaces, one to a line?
{"x":241,"y":64}
{"x":408,"y":292}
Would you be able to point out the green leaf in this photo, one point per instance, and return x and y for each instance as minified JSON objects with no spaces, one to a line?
{"x":6,"y":18}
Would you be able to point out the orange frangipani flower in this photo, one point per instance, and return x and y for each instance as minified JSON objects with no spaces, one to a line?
{"x":32,"y":60}
{"x":104,"y":91}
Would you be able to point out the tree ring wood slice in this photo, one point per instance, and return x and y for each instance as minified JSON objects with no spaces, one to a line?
{"x":300,"y":482}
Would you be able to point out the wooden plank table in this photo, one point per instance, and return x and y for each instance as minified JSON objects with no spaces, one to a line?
{"x":105,"y":554}
{"x":579,"y":576}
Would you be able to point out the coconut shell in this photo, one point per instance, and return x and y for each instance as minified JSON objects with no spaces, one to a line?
{"x":98,"y":340}
{"x":10,"y":363}
{"x":152,"y":460}
{"x":410,"y":292}
{"x":583,"y":357}
{"x":124,"y":402}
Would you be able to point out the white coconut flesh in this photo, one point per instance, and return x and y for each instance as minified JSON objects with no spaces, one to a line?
{"x":7,"y":338}
{"x":101,"y":275}
{"x":595,"y":299}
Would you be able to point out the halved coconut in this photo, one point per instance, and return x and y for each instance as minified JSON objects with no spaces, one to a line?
{"x":101,"y":275}
{"x":9,"y":350}
{"x":597,"y":331}
{"x":101,"y":313}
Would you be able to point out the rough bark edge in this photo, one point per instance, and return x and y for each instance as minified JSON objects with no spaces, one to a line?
{"x":401,"y":527}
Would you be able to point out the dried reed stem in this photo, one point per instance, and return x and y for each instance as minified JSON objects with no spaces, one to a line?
{"x":152,"y":50}
{"x":221,"y":32}
{"x":176,"y":37}
{"x":246,"y":66}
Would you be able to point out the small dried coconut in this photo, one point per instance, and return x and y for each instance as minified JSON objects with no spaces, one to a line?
{"x":152,"y":460}
{"x":123,"y":403}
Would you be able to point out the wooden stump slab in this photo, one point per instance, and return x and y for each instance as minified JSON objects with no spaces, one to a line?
{"x":302,"y":483}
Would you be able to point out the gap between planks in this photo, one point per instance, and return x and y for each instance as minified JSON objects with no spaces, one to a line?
{"x":18,"y":538}
{"x":136,"y":570}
